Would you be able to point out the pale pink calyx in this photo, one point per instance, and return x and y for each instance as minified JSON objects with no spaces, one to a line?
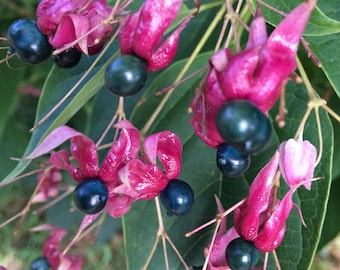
{"x":297,"y":162}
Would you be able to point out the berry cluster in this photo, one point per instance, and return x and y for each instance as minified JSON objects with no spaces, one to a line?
{"x":233,"y":103}
{"x":31,"y":45}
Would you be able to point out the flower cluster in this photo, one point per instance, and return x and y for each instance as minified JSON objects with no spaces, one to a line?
{"x":261,"y":218}
{"x":53,"y":253}
{"x":142,"y":33}
{"x":256,"y":74}
{"x":128,"y":175}
{"x":50,"y":178}
{"x":64,"y":22}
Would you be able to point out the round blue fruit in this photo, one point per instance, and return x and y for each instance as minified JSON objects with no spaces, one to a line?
{"x":40,"y":264}
{"x":126,"y":75}
{"x":26,"y":40}
{"x":90,"y":196}
{"x":231,"y":162}
{"x":241,"y":254}
{"x":68,"y":58}
{"x":177,"y":197}
{"x":243,"y":126}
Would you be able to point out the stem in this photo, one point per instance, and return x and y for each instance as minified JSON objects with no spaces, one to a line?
{"x":7,"y":58}
{"x":55,"y":201}
{"x":280,"y":118}
{"x":161,"y":232}
{"x":119,"y":113}
{"x":174,"y":85}
{"x":193,"y":56}
{"x":218,"y":223}
{"x":305,"y":79}
{"x":303,"y":121}
{"x":219,"y":216}
{"x":331,"y":112}
{"x":2,"y":184}
{"x":153,"y":250}
{"x":277,"y":262}
{"x":166,"y":261}
{"x":29,"y":203}
{"x":318,"y":123}
{"x":265,"y":261}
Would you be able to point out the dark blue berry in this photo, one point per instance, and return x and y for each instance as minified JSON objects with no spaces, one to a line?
{"x":26,"y":40}
{"x":40,"y":264}
{"x":177,"y":197}
{"x":126,"y":75}
{"x":242,"y":125}
{"x":231,"y":162}
{"x":241,"y":254}
{"x":67,"y":59}
{"x":90,"y":196}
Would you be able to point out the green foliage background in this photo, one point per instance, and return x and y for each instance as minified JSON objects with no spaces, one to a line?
{"x":90,"y":108}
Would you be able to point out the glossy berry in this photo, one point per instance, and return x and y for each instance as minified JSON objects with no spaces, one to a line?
{"x":40,"y":264}
{"x":28,"y":42}
{"x":241,"y":254}
{"x":177,"y":197}
{"x":231,"y":162}
{"x":242,"y":125}
{"x":68,"y":58}
{"x":90,"y":196}
{"x":126,"y":75}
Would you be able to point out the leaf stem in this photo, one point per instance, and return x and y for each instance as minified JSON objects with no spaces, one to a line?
{"x":318,"y":123}
{"x":331,"y":112}
{"x":306,"y":81}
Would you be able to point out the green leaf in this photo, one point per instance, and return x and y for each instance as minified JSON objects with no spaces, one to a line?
{"x":322,"y":33}
{"x":332,"y":220}
{"x":199,"y":170}
{"x":319,"y":23}
{"x":57,"y":85}
{"x":9,"y":92}
{"x":328,"y":53}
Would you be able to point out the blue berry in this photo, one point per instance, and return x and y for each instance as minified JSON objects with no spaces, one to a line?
{"x":231,"y":162}
{"x":68,"y":58}
{"x":90,"y":196}
{"x":177,"y":197}
{"x":241,"y":254}
{"x":242,"y":125}
{"x":126,"y":75}
{"x":26,"y":40}
{"x":40,"y":264}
